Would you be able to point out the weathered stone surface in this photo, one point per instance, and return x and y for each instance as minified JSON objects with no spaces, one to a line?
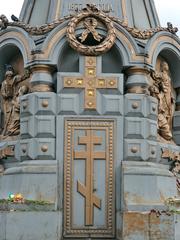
{"x":148,"y":226}
{"x":30,"y":226}
{"x":88,"y":139}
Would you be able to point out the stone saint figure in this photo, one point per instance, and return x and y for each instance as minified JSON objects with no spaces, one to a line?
{"x":7,"y":92}
{"x":162,"y":90}
{"x":14,"y":124}
{"x":10,"y":96}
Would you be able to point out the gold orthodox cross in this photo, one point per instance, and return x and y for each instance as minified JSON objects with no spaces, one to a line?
{"x":87,"y":191}
{"x":90,"y":82}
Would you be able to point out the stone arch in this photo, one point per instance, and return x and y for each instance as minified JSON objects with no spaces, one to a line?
{"x":111,"y":58}
{"x":128,"y":48}
{"x":54,"y":43}
{"x":14,"y":41}
{"x":168,"y":46}
{"x":125,"y":44}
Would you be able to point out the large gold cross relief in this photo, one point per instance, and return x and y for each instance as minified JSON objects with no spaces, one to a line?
{"x":88,"y":191}
{"x":90,"y":82}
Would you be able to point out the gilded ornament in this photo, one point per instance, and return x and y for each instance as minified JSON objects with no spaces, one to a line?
{"x":44,"y":148}
{"x":46,"y":28}
{"x":90,"y":17}
{"x":79,"y":82}
{"x":45,"y":103}
{"x":11,"y":93}
{"x":90,"y":83}
{"x":135,"y":105}
{"x":91,"y":71}
{"x":162,"y":90}
{"x":90,"y":61}
{"x":69,"y":82}
{"x":90,"y":25}
{"x":101,"y":83}
{"x":134,"y":149}
{"x":90,"y":104}
{"x":91,"y":93}
{"x":147,"y":33}
{"x":174,"y":159}
{"x":88,"y":189}
{"x":6,"y":150}
{"x":111,"y":82}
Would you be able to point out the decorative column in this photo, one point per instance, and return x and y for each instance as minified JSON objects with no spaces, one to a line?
{"x":42,"y":80}
{"x":38,"y":136}
{"x":137,"y":81}
{"x":141,"y":155}
{"x":140,"y":117}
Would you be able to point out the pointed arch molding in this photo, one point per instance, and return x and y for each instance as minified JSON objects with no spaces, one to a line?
{"x":20,"y":39}
{"x":125,"y":43}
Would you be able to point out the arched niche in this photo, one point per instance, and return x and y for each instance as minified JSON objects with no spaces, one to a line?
{"x":112,"y":61}
{"x":56,"y":45}
{"x":68,"y":60}
{"x":11,"y":55}
{"x":162,"y":88}
{"x":166,"y":45}
{"x":173,"y":61}
{"x":14,"y":81}
{"x":162,"y":58}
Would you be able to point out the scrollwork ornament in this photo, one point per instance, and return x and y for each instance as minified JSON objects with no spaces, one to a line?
{"x":91,"y":12}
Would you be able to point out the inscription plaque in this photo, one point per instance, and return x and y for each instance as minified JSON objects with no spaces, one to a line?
{"x":112,"y":7}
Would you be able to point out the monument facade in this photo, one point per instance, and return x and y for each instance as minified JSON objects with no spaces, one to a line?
{"x":90,"y":122}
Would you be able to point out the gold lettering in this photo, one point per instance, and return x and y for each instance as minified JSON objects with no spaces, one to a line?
{"x":80,"y":7}
{"x":76,"y":7}
{"x":106,"y":7}
{"x":111,"y":8}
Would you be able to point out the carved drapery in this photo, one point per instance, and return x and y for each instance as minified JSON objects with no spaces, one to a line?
{"x":12,"y":89}
{"x":161,"y":89}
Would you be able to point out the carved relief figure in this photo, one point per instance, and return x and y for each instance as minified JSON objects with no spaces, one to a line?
{"x":162,"y":90}
{"x":7,"y":91}
{"x":14,"y":124}
{"x":10,"y":92}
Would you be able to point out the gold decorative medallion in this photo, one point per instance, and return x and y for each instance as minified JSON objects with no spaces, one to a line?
{"x":91,"y":17}
{"x":89,"y":202}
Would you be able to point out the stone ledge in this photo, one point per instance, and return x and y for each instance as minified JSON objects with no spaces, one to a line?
{"x":27,"y":206}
